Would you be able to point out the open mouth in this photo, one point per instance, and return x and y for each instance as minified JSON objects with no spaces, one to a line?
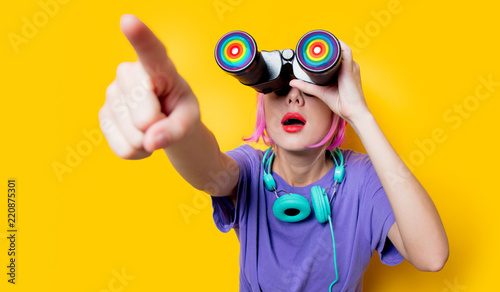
{"x":293,"y":122}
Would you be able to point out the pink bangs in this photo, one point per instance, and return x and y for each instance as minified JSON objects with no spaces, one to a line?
{"x":338,"y":128}
{"x":260,"y":124}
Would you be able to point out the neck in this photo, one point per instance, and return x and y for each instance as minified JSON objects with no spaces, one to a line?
{"x":301,"y":168}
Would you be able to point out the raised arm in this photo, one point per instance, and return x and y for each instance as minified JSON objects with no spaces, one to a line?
{"x":418,"y":232}
{"x":149,"y":106}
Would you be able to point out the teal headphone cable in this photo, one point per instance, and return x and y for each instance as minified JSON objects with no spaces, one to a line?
{"x":319,"y":198}
{"x":334,"y":256}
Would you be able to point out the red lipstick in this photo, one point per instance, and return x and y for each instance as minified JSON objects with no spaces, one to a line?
{"x":293,"y":122}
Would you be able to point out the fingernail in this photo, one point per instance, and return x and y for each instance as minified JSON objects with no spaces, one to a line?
{"x":161,"y":141}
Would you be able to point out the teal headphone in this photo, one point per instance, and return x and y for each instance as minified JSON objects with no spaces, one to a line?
{"x":294,"y":207}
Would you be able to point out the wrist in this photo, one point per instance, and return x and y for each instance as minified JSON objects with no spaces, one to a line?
{"x":358,"y":116}
{"x":361,"y":121}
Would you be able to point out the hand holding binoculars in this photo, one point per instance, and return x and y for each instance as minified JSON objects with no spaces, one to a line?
{"x":316,"y":60}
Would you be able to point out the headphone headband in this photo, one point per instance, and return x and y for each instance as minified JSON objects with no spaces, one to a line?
{"x":339,"y":166}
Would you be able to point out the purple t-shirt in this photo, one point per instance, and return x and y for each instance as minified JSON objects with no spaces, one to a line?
{"x":281,"y":256}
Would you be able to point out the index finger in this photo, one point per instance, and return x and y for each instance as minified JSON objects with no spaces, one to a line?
{"x":150,"y":50}
{"x":346,"y":55}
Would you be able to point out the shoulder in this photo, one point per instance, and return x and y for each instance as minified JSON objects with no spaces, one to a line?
{"x":356,"y":161}
{"x":359,"y":170}
{"x":249,"y":164}
{"x":246,"y":153}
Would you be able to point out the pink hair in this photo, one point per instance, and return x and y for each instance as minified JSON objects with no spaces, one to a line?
{"x":338,"y":128}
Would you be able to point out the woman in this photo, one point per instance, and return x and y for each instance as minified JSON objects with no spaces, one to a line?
{"x":378,"y":204}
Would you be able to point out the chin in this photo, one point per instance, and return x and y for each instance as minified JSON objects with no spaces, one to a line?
{"x":296,"y":141}
{"x":293,"y":143}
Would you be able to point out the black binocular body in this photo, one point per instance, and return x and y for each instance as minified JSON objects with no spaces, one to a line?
{"x":316,"y":59}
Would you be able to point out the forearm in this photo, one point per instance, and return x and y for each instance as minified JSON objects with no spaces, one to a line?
{"x":418,"y":221}
{"x":198,"y":159}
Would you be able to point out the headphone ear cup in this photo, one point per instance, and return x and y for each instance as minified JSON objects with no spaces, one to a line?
{"x":339,"y":173}
{"x":269,"y":182}
{"x":291,"y":208}
{"x":320,"y":203}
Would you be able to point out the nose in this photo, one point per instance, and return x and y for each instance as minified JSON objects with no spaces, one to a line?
{"x":294,"y":97}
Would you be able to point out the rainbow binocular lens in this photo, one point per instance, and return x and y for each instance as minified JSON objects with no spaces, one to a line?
{"x":316,"y":59}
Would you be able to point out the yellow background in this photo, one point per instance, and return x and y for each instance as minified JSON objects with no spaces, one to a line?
{"x":76,"y":233}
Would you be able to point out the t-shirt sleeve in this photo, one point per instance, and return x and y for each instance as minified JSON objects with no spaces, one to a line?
{"x":225,"y":215}
{"x":381,"y":218}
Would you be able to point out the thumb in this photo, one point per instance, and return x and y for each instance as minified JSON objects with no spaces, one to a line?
{"x":175,"y":127}
{"x":151,"y":52}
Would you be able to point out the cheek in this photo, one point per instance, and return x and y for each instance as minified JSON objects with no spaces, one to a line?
{"x":323,"y":122}
{"x":327,"y":123}
{"x":273,"y":117}
{"x":323,"y":110}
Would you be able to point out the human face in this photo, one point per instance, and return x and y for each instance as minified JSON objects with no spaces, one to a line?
{"x":282,"y":119}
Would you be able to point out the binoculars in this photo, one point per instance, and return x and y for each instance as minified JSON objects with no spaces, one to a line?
{"x":316,"y":60}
